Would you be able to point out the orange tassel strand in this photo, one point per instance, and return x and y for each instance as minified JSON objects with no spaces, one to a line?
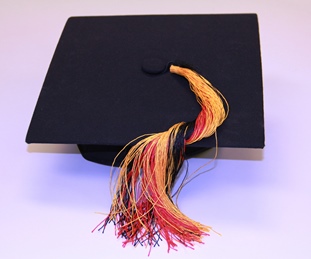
{"x":142,"y":208}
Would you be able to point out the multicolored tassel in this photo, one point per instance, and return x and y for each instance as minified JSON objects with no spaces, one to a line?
{"x":142,"y":209}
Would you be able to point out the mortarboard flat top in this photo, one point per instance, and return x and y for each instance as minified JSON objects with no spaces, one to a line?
{"x":105,"y":85}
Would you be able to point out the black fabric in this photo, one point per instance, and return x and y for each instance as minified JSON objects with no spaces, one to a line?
{"x":96,"y":92}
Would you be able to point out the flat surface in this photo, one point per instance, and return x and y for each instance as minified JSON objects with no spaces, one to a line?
{"x":259,"y":200}
{"x":95,"y":91}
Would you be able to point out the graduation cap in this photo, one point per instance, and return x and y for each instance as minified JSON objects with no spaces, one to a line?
{"x":105,"y":85}
{"x":108,"y":83}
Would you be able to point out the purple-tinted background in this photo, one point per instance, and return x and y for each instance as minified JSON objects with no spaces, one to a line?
{"x":260,"y":200}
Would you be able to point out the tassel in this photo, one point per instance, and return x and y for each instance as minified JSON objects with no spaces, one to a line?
{"x":142,"y":209}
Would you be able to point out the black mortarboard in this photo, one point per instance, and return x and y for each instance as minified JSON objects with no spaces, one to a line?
{"x":107,"y":85}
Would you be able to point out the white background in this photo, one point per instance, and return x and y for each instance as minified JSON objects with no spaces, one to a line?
{"x":258,"y":199}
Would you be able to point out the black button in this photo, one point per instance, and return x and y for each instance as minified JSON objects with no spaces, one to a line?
{"x":153,"y":66}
